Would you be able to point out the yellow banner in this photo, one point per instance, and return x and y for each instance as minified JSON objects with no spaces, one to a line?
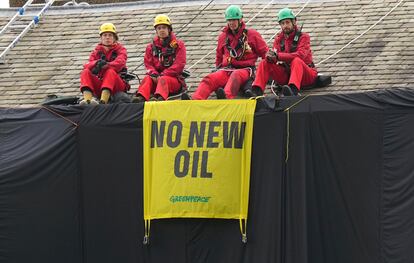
{"x":197,"y":158}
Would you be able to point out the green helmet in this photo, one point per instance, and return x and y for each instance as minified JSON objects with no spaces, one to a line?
{"x":233,"y":12}
{"x":285,"y":13}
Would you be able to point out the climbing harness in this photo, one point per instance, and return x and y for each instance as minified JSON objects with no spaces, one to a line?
{"x":241,"y":44}
{"x":168,"y":56}
{"x":295,"y":41}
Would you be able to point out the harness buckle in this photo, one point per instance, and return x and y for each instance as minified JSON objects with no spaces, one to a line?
{"x":233,"y":53}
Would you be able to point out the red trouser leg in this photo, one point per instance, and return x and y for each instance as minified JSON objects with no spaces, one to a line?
{"x":265,"y":70}
{"x":211,"y":83}
{"x":167,"y":85}
{"x":301,"y":74}
{"x":112,"y":81}
{"x":146,"y":88}
{"x":236,"y":80}
{"x":91,"y":81}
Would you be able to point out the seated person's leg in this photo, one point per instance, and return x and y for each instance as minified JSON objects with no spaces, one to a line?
{"x":264,"y":72}
{"x":166,"y":85}
{"x":111,"y":84}
{"x":301,"y":74}
{"x":211,"y":83}
{"x":145,"y":89}
{"x":88,"y":83}
{"x":262,"y":75}
{"x":236,"y":80}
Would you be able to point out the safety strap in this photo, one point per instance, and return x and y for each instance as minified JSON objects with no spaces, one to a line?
{"x":241,"y":43}
{"x":167,"y":58}
{"x":252,"y":70}
{"x":123,"y":73}
{"x":294,"y":42}
{"x":112,"y":58}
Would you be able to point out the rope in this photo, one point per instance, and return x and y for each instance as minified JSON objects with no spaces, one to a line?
{"x":143,"y":53}
{"x":206,"y":55}
{"x":261,"y":10}
{"x":350,"y":42}
{"x":269,"y":3}
{"x":185,"y":25}
{"x":300,"y":11}
{"x":199,"y":12}
{"x":363,"y":33}
{"x":296,"y":103}
{"x":60,"y":116}
{"x":287,"y":110}
{"x":198,"y":61}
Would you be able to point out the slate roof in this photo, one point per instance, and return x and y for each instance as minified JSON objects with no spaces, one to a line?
{"x":49,"y":58}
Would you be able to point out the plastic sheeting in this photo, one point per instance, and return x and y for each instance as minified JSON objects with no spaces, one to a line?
{"x":332,"y":180}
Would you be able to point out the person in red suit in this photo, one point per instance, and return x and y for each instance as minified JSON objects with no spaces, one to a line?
{"x":100,"y":77}
{"x":164,"y":59}
{"x":290,"y":62}
{"x":238,"y":48}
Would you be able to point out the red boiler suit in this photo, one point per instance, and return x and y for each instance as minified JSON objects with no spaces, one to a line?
{"x":169,"y":77}
{"x":232,"y":73}
{"x":108,"y":77}
{"x":297,"y":68}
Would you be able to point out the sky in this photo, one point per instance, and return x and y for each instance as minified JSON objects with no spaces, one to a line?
{"x":4,"y":3}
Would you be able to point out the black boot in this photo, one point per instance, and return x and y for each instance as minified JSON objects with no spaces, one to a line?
{"x":138,"y":99}
{"x":253,"y":92}
{"x":286,"y":90}
{"x":249,"y":93}
{"x":220,"y":94}
{"x":257,"y":90}
{"x":185,"y":96}
{"x":294,"y":89}
{"x":289,"y":90}
{"x":159,"y":97}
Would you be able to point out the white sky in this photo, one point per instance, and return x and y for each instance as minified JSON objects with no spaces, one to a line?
{"x":4,"y":3}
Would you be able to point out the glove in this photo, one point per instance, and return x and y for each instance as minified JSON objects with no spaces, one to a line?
{"x":271,"y":56}
{"x":98,"y":66}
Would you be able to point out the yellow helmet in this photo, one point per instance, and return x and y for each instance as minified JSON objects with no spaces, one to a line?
{"x":162,"y":20}
{"x":108,"y":27}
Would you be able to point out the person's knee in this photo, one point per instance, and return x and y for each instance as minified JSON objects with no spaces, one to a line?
{"x":86,"y":71}
{"x":296,"y":61}
{"x":264,"y":63}
{"x":233,"y":76}
{"x":110,"y":71}
{"x":163,"y":82}
{"x":207,"y":81}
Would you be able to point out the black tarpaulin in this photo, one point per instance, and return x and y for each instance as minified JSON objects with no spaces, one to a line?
{"x":332,"y":180}
{"x":39,"y":188}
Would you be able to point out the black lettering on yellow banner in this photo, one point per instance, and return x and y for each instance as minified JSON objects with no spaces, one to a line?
{"x":182,"y":164}
{"x":197,"y":158}
{"x":197,"y":134}
{"x":230,"y":134}
{"x":174,"y":131}
{"x":234,"y":137}
{"x":212,"y":133}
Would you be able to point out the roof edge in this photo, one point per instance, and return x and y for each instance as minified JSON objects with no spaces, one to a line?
{"x":143,"y":4}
